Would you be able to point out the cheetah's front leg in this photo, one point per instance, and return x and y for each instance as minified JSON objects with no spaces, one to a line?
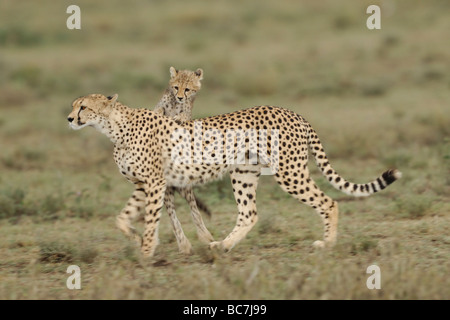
{"x":181,"y":118}
{"x":153,"y":204}
{"x":202,"y":232}
{"x":130,"y":212}
{"x":183,"y":243}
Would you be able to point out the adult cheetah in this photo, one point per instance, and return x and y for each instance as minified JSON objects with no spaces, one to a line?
{"x":154,"y":152}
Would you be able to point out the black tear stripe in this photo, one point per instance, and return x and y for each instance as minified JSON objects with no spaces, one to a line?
{"x":78,"y":115}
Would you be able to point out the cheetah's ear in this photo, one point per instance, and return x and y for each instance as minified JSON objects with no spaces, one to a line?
{"x":113,"y":98}
{"x":173,"y":72}
{"x":199,"y":73}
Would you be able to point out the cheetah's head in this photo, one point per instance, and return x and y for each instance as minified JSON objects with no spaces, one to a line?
{"x":184,"y":84}
{"x":91,"y":110}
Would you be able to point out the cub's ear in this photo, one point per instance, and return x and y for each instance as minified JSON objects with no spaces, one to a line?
{"x":173,"y":72}
{"x":113,"y":98}
{"x":199,"y":73}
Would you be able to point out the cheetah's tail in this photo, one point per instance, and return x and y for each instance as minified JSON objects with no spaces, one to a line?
{"x":353,"y":189}
{"x":202,"y":206}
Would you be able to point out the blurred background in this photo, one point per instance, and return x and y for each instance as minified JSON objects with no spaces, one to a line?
{"x":377,"y":98}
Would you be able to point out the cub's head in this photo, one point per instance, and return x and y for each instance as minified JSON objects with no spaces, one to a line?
{"x":90,"y":110}
{"x":184,"y":84}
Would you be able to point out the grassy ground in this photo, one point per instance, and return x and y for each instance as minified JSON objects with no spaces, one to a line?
{"x":377,"y":99}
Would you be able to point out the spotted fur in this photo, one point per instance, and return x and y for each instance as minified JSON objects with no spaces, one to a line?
{"x":145,"y":144}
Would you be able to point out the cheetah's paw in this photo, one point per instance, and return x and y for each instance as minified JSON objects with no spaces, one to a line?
{"x":319,"y":244}
{"x":215,"y":245}
{"x":185,"y":248}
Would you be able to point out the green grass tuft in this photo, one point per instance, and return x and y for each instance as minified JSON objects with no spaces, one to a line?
{"x":55,"y":252}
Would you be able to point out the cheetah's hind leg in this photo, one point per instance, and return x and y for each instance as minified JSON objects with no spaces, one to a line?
{"x":244,"y":188}
{"x":305,"y":190}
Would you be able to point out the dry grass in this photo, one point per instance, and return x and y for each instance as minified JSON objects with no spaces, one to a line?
{"x":377,"y":99}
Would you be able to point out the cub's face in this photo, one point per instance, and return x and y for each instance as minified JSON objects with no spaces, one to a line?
{"x":90,"y":110}
{"x":184,"y":84}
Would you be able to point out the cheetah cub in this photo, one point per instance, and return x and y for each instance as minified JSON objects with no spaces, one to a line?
{"x":178,"y":99}
{"x":177,"y":102}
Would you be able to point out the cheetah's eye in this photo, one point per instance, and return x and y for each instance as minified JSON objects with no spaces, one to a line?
{"x":83,"y":108}
{"x":187,"y":90}
{"x":175,"y":87}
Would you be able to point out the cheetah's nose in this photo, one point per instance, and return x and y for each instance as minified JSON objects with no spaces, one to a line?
{"x":70,"y":119}
{"x":180,"y":98}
